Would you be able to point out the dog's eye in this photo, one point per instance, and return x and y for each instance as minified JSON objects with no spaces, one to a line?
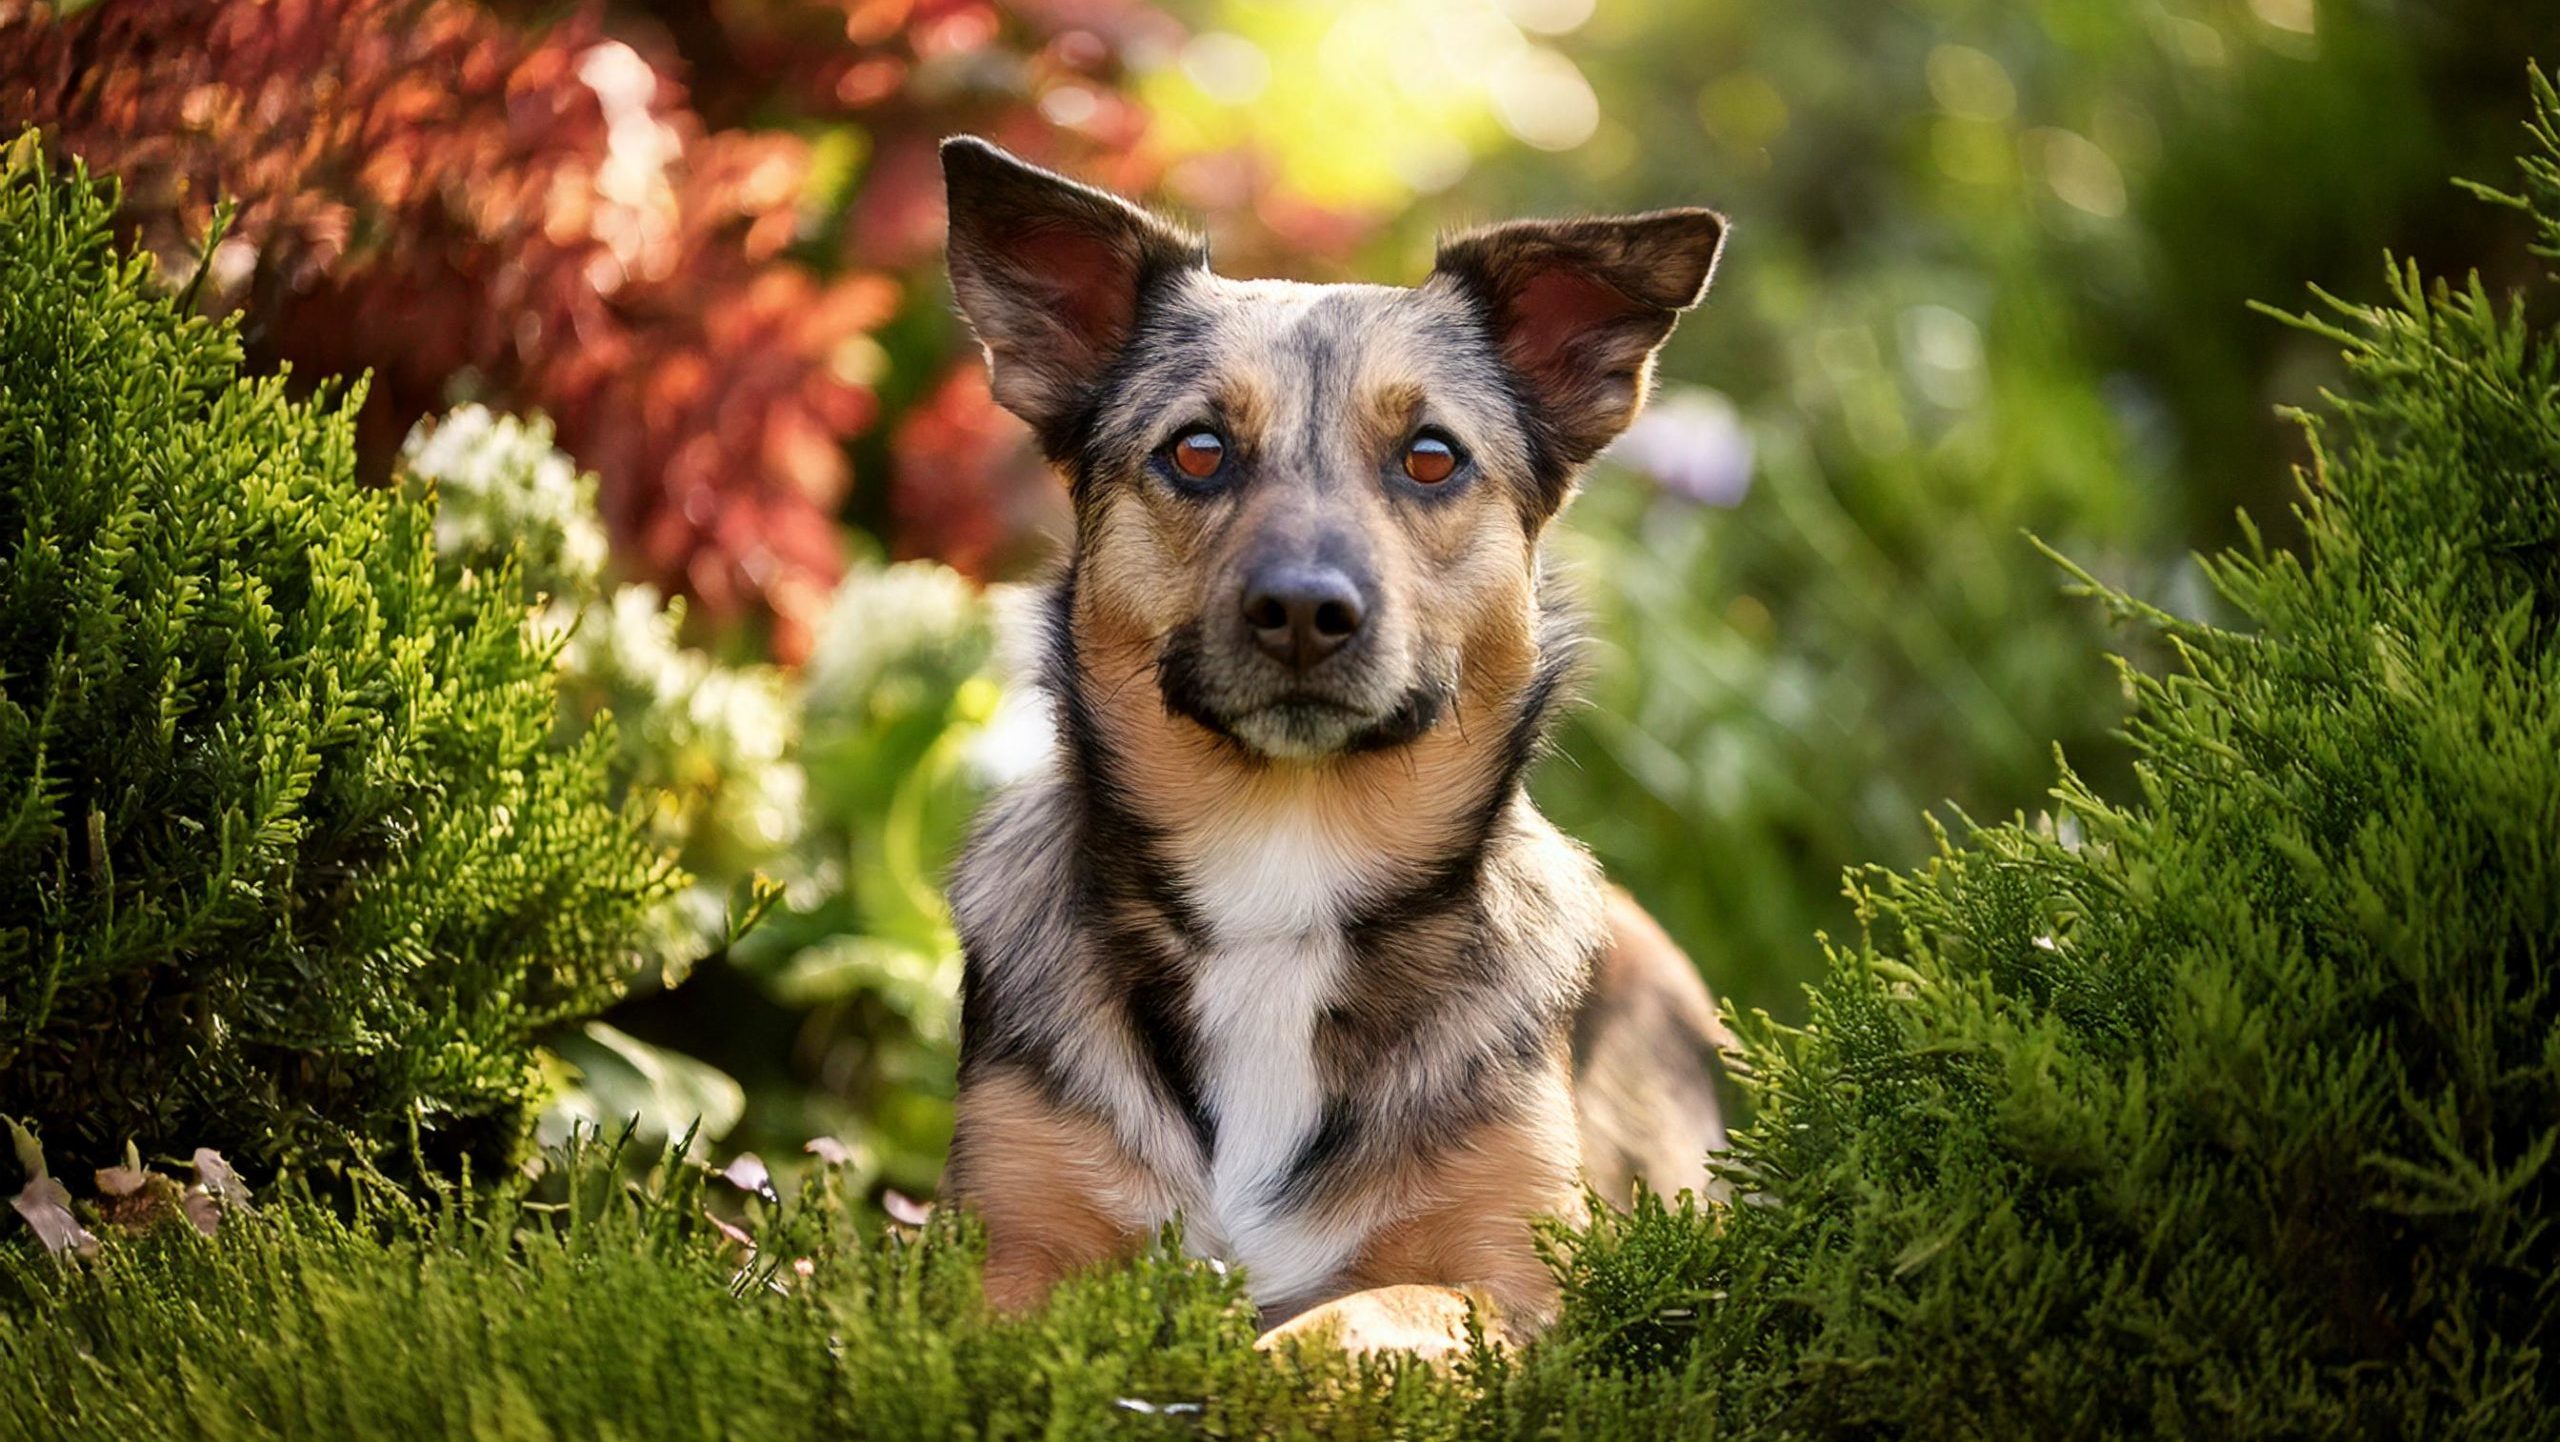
{"x":1431,"y":458}
{"x":1199,"y":454}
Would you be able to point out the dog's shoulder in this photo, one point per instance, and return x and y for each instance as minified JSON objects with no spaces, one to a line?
{"x":1544,"y":903}
{"x":1013,"y":897}
{"x":1013,"y":887}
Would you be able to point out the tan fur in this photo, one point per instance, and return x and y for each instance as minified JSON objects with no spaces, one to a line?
{"x":1055,"y":1192}
{"x":1643,"y":1084}
{"x":1468,"y":1216}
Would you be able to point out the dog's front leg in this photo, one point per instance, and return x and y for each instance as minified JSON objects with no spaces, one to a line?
{"x":1423,"y":1280}
{"x":1465,"y":1246}
{"x":1427,"y":1320}
{"x":1052,"y":1188}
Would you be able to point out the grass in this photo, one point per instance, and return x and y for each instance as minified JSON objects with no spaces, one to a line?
{"x":618,"y":1309}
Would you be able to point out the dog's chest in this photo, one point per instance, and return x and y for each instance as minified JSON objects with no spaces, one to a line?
{"x":1274,"y":894}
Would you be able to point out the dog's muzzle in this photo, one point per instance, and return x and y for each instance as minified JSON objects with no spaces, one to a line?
{"x":1299,"y":675}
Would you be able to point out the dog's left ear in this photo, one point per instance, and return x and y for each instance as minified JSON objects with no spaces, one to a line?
{"x":1578,"y":307}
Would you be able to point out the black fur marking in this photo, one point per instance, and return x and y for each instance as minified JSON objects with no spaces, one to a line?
{"x":1319,"y":349}
{"x":983,"y":1042}
{"x":1330,"y":1144}
{"x":1526,"y":1045}
{"x":994,"y":1029}
{"x":1481,"y":1090}
{"x":1119,"y":855}
{"x":1559,"y":644}
{"x":1413,"y":718}
{"x":1157,"y":995}
{"x":986,"y":1038}
{"x":1181,"y":679}
{"x":1120,"y":873}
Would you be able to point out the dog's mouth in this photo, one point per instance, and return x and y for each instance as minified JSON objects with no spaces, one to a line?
{"x":1308,"y":728}
{"x":1303,"y":718}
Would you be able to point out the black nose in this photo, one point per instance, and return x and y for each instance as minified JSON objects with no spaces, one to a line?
{"x":1300,"y":614}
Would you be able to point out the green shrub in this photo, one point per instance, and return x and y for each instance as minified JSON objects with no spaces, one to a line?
{"x":833,"y":792}
{"x":2229,"y":1111}
{"x":624,"y":1311}
{"x":286,"y":868}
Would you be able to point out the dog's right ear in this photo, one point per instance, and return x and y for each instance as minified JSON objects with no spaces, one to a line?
{"x":1050,"y":274}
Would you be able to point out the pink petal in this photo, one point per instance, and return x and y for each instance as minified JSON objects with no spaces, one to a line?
{"x":47,"y":1208}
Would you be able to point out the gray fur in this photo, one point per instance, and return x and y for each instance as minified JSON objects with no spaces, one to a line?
{"x":1110,"y":949}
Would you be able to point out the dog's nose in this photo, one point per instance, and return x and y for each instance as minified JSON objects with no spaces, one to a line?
{"x":1300,"y":614}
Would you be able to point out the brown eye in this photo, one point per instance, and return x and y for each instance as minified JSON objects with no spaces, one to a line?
{"x":1199,"y":454}
{"x":1430,"y":460}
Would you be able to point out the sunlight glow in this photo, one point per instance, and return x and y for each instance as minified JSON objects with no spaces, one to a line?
{"x":1366,"y":104}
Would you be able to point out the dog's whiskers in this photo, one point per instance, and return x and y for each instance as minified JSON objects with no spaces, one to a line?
{"x":1155,"y":647}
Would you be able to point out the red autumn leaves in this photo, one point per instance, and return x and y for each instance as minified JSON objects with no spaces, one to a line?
{"x":535,"y":213}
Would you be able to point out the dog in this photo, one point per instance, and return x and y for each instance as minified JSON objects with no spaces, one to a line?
{"x":1278,"y":947}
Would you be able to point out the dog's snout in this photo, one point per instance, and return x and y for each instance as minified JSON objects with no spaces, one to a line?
{"x":1300,"y":614}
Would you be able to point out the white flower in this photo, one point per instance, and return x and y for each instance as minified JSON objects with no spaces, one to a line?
{"x":884,"y":616}
{"x":500,"y":485}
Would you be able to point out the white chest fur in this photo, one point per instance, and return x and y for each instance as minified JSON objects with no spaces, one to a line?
{"x":1274,"y":886}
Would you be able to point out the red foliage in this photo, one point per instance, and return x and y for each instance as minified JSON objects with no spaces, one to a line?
{"x":538,"y":216}
{"x":970,"y":488}
{"x":1037,"y":76}
{"x":541,"y":215}
{"x":428,"y":193}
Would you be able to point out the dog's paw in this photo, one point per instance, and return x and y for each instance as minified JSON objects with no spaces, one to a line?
{"x":1430,"y":1322}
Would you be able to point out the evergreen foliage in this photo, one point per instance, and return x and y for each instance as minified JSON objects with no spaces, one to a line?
{"x":643,"y":1310}
{"x":286,"y":868}
{"x":2230,"y":1110}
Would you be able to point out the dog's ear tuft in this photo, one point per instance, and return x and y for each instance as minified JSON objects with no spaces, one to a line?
{"x":1050,"y":274}
{"x":1578,"y":307}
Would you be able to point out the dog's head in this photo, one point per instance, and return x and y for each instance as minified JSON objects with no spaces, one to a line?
{"x":1318,"y":507}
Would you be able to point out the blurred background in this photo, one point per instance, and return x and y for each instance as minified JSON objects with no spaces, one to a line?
{"x":649,"y":292}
